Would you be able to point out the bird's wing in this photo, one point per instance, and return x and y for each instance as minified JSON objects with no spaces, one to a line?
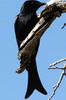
{"x":16,"y":23}
{"x":17,"y":32}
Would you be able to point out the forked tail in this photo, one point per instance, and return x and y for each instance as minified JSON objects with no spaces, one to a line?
{"x":34,"y":80}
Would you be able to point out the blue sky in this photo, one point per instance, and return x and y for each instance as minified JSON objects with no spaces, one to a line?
{"x":52,"y":48}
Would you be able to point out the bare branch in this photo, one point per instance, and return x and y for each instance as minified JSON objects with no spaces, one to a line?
{"x":57,"y":62}
{"x":61,"y":77}
{"x":56,"y":68}
{"x":56,"y":86}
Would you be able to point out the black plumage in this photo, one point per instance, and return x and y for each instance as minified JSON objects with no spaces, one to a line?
{"x":26,"y":20}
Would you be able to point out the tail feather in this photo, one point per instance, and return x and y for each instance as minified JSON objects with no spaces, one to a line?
{"x":34,"y":80}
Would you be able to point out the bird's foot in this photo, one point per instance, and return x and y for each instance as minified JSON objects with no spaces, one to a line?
{"x":57,"y":14}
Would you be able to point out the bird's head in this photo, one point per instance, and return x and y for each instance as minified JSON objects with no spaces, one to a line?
{"x":31,"y":6}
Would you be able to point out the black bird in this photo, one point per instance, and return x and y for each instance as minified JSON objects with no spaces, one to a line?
{"x":25,"y":21}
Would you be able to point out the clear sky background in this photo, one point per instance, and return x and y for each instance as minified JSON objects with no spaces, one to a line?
{"x":52,"y":48}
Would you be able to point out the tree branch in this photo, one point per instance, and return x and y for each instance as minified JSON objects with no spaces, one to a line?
{"x":47,"y":16}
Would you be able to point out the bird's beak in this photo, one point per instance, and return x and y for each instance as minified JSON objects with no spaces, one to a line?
{"x":41,"y":4}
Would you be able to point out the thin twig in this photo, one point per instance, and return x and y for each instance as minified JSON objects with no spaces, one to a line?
{"x":56,"y":68}
{"x":55,"y":87}
{"x":63,"y":25}
{"x":53,"y":64}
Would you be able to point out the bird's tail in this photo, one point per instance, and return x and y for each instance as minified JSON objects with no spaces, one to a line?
{"x":33,"y":80}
